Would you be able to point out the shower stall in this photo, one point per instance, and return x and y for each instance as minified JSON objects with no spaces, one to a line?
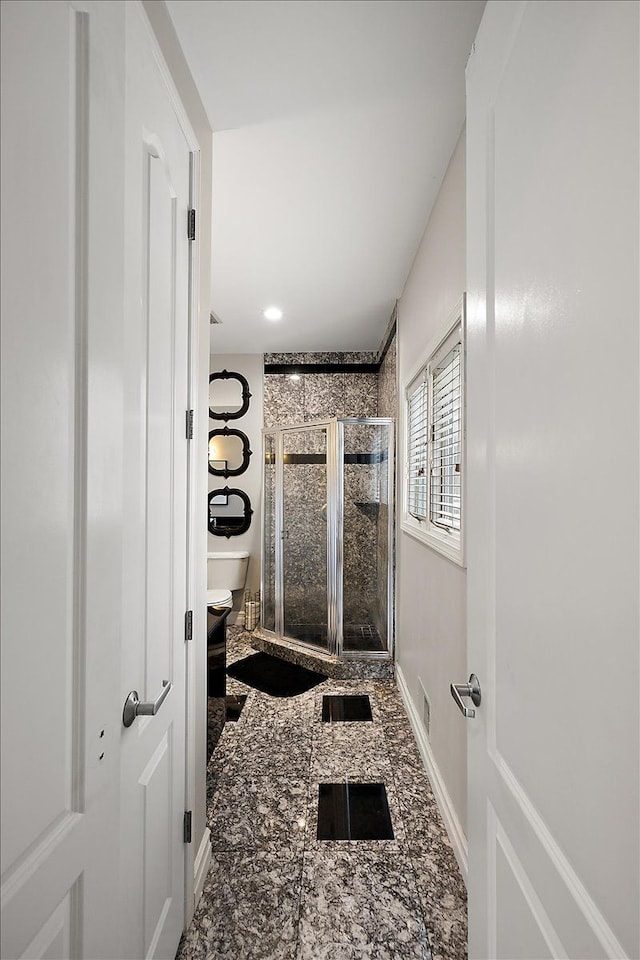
{"x":327,"y":545}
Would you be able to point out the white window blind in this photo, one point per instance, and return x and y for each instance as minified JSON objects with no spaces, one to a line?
{"x":446,"y":440}
{"x":418,"y":453}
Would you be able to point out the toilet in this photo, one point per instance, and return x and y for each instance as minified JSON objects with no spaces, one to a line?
{"x":226,"y":572}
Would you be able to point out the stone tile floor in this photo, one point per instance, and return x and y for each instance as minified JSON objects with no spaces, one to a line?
{"x":275,"y":892}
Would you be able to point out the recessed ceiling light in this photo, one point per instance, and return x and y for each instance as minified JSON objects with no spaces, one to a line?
{"x":272,"y":313}
{"x":294,"y":376}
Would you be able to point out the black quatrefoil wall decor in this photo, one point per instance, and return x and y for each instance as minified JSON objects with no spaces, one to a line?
{"x":246,"y":396}
{"x":229,"y":512}
{"x":222,"y":454}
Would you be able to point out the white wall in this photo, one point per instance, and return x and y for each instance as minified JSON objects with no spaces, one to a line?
{"x":251,"y":366}
{"x":431,"y":601}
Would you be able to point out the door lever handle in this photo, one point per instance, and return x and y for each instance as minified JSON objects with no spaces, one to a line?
{"x":134,"y":707}
{"x":471,"y":689}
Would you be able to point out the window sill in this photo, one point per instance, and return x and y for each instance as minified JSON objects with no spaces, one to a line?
{"x":447,"y":546}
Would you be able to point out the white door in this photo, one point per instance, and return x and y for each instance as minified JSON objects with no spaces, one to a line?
{"x":552,"y":396}
{"x":62,"y":290}
{"x":155,"y":496}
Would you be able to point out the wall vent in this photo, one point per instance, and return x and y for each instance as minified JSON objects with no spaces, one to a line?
{"x":426,"y":709}
{"x":213,"y":318}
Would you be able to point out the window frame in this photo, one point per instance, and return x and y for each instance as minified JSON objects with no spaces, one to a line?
{"x":449,"y":543}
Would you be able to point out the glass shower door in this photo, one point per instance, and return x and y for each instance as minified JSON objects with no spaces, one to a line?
{"x":304,"y":532}
{"x":367,"y":536}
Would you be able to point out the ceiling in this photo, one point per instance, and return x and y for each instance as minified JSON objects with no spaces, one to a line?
{"x":333,"y":124}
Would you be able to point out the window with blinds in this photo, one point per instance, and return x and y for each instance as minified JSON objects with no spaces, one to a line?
{"x":446,"y":441}
{"x":418,"y":456}
{"x":435,"y":443}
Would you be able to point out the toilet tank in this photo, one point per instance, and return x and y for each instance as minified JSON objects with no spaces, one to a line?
{"x":228,"y":570}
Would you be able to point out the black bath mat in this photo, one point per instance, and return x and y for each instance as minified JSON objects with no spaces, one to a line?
{"x":273,"y":676}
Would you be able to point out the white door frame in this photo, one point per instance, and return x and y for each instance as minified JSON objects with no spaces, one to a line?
{"x":194,"y":561}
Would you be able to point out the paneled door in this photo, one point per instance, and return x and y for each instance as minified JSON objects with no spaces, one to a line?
{"x":552,"y":510}
{"x":155,"y":497}
{"x":62,"y":424}
{"x":95,"y":319}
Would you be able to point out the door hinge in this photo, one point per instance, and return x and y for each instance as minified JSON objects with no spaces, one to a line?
{"x":188,"y":626}
{"x":186,"y":827}
{"x":189,"y":425}
{"x":191,"y":224}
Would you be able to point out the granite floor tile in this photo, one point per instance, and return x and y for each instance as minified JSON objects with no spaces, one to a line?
{"x":425,"y":826}
{"x":236,"y":688}
{"x":334,"y":755}
{"x":405,"y":752}
{"x":397,"y":729}
{"x":230,"y":700}
{"x":362,"y":899}
{"x":249,"y":909}
{"x":238,"y":649}
{"x":268,"y":750}
{"x":448,"y":938}
{"x":343,"y":951}
{"x":276,"y":892}
{"x":391,"y":704}
{"x":266,"y":710}
{"x":444,"y":903}
{"x":251,"y":812}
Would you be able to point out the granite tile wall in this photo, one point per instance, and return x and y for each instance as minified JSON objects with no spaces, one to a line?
{"x":305,"y":531}
{"x":353,"y":356}
{"x":360,"y":541}
{"x":269,"y":543}
{"x":387,"y":383}
{"x":314,"y":397}
{"x":387,"y":407}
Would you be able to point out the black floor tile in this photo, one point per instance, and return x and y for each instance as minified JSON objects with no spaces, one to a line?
{"x":339,"y":708}
{"x":234,"y":705}
{"x":353,"y":811}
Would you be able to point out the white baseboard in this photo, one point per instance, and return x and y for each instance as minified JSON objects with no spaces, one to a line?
{"x":201,"y":865}
{"x":445,"y":804}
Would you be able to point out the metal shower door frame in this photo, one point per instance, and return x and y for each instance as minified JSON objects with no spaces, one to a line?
{"x":335,"y":532}
{"x":390,"y":580}
{"x":334,"y":612}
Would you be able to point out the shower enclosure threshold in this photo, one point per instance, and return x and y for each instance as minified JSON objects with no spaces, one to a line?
{"x":375,"y":667}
